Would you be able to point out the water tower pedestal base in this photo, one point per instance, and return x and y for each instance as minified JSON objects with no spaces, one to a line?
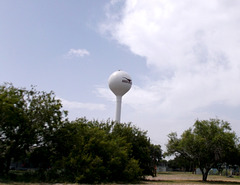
{"x":118,"y":108}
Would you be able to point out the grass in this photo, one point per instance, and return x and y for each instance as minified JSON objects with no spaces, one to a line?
{"x":166,"y":178}
{"x":186,"y":178}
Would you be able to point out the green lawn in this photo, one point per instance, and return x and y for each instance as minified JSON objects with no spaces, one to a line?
{"x":167,"y":178}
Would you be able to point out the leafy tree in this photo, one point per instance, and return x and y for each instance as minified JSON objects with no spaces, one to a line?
{"x":155,"y":154}
{"x":208,"y":143}
{"x":11,"y":115}
{"x":28,"y":119}
{"x":86,"y":153}
{"x":155,"y":157}
{"x":93,"y":152}
{"x":181,"y":163}
{"x":146,"y":153}
{"x":33,"y":127}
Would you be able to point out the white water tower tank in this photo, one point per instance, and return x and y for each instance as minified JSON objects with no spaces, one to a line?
{"x":120,"y":83}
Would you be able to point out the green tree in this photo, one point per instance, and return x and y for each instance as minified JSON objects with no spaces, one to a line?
{"x":28,"y":120}
{"x":33,"y":126}
{"x":155,"y":157}
{"x":147,"y":154}
{"x":87,"y":153}
{"x":11,"y":116}
{"x":181,"y":163}
{"x":208,"y":143}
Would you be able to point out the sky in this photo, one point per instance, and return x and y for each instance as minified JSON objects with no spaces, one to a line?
{"x":183,"y":58}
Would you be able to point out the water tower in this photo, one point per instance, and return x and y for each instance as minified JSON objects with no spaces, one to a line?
{"x":120,"y":83}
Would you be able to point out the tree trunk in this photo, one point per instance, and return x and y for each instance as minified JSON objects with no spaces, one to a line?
{"x":204,"y":177}
{"x":204,"y":173}
{"x":7,"y":167}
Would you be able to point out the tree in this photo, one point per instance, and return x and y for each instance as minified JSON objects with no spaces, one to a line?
{"x":146,"y":153}
{"x":208,"y":143}
{"x":181,"y":163}
{"x":155,"y":157}
{"x":28,"y":119}
{"x":33,"y":127}
{"x":87,"y":153}
{"x":95,"y":152}
{"x":11,"y":116}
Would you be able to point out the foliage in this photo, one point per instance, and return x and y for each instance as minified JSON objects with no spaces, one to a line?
{"x":207,"y":144}
{"x":93,"y":152}
{"x":179,"y":163}
{"x":155,"y":154}
{"x":34,"y":129}
{"x":146,"y":153}
{"x":28,"y":120}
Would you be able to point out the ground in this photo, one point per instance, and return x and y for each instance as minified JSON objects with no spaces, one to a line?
{"x":170,"y":178}
{"x":190,"y":179}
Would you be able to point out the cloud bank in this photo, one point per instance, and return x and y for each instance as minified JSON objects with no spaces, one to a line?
{"x":193,"y":46}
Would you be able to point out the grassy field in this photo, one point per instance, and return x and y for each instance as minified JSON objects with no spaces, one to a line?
{"x":182,"y":178}
{"x":170,"y":178}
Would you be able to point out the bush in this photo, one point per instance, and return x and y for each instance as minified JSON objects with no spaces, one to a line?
{"x":89,"y":153}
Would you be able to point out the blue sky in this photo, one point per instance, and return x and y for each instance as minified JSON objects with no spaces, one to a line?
{"x":183,"y":58}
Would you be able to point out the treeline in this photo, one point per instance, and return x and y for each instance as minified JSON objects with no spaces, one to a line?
{"x":35,"y":130}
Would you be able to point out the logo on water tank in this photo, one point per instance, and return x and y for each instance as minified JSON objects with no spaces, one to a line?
{"x":127,"y":80}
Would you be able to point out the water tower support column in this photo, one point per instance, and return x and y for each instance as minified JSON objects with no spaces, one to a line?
{"x":118,"y":108}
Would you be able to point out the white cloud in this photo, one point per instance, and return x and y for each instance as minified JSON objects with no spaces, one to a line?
{"x":78,"y":53}
{"x":197,"y":43}
{"x":78,"y":105}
